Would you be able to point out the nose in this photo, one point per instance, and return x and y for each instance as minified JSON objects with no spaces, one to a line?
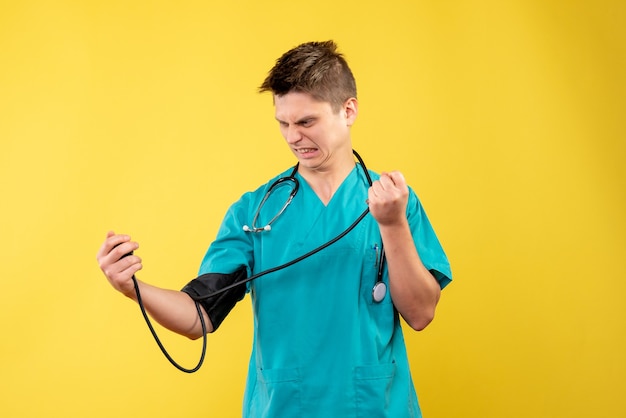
{"x":292,"y":134}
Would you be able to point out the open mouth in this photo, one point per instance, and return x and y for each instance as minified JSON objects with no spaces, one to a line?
{"x":306,"y":150}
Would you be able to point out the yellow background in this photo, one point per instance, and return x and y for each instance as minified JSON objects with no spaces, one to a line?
{"x":507,"y":117}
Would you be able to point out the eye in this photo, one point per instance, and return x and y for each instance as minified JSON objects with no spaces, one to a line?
{"x":306,"y":123}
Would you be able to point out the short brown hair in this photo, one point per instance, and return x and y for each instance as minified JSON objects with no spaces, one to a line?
{"x":315,"y":68}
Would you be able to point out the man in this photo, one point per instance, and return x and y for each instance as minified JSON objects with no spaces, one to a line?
{"x":325,"y":344}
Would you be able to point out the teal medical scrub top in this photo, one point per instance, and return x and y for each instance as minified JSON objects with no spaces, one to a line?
{"x":322,"y":347}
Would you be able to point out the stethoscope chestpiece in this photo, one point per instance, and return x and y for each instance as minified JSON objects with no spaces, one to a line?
{"x":379,"y":291}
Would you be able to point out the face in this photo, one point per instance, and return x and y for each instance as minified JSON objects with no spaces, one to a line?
{"x":317,"y":135}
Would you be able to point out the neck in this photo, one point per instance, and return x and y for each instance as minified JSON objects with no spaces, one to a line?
{"x":325,"y":182}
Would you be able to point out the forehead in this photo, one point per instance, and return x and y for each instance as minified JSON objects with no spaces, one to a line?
{"x":295,"y":105}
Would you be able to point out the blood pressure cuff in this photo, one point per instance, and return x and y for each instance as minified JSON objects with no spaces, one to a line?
{"x":219,"y":305}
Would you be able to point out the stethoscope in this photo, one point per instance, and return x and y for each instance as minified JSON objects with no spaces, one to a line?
{"x":379,"y":290}
{"x":280,"y":182}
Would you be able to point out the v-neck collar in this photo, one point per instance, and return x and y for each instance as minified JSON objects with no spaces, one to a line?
{"x":304,"y":183}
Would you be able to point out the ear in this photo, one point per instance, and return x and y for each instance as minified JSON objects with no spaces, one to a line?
{"x":351,"y":109}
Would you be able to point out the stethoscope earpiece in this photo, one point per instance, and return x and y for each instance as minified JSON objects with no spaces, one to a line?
{"x":246,"y":228}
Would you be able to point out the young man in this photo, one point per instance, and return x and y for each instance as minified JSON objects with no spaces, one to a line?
{"x":325,"y":343}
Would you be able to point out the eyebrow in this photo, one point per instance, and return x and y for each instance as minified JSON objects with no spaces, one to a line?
{"x":301,"y":120}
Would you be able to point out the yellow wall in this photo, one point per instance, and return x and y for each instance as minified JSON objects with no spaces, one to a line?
{"x":507,"y":117}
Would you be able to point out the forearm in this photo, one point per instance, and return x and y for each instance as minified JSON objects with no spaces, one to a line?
{"x":172,"y":309}
{"x":414,"y":290}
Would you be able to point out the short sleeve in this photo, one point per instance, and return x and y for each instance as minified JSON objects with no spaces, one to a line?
{"x":428,"y":246}
{"x":232,"y":247}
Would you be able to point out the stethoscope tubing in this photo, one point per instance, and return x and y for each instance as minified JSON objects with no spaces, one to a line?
{"x":158,"y":341}
{"x":277,"y":183}
{"x":291,"y":176}
{"x":198,"y":298}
